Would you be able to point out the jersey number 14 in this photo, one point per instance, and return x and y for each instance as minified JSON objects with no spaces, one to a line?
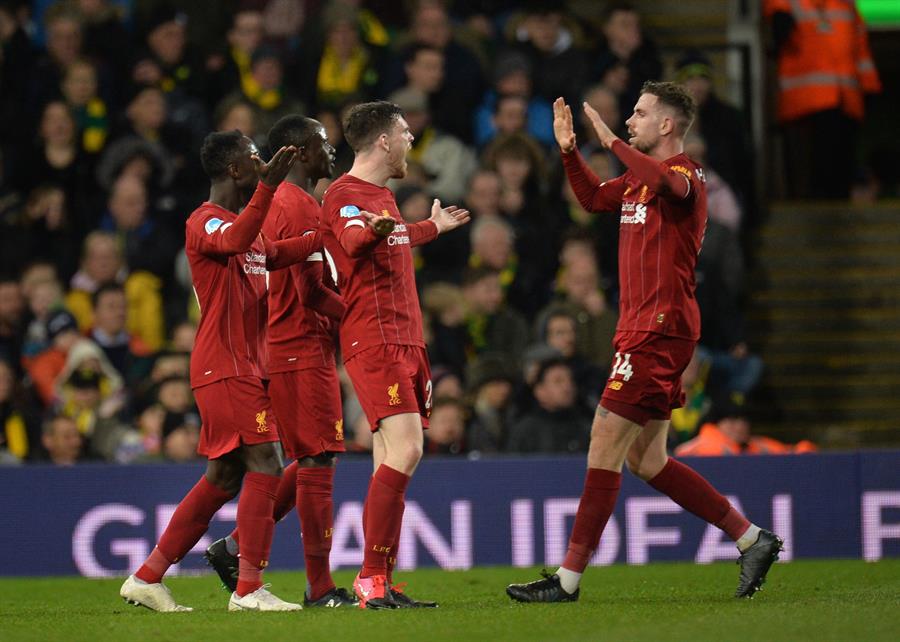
{"x":622,"y":366}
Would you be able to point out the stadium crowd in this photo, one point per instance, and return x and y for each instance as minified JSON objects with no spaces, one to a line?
{"x":102,"y":111}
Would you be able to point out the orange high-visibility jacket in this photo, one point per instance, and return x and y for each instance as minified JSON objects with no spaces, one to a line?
{"x":712,"y":442}
{"x":826,"y":62}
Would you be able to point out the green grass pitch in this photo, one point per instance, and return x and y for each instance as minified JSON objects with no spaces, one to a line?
{"x":807,"y":600}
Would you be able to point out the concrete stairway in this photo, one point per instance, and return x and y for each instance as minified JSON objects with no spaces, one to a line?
{"x":824,"y":313}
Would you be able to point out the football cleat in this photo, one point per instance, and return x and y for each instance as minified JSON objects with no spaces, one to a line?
{"x":333,"y":599}
{"x":372,"y":593}
{"x":756,"y":561}
{"x":155,"y":597}
{"x":406,"y":602}
{"x":224,"y":563}
{"x":260,"y":600}
{"x":547,"y":589}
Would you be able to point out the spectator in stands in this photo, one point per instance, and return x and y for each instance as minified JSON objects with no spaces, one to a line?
{"x":127,"y":354}
{"x":62,"y":441}
{"x":231,"y":69}
{"x":42,"y":231}
{"x":728,"y":433}
{"x":44,"y":293}
{"x":491,"y":326}
{"x":63,"y":29}
{"x":606,"y":102}
{"x":446,"y":306}
{"x":272,"y":98}
{"x":15,"y":75}
{"x":91,"y":392}
{"x":105,"y":37}
{"x":79,"y":88}
{"x":557,"y":423}
{"x":559,"y":330}
{"x":549,"y":41}
{"x":57,"y":159}
{"x":167,"y":61}
{"x":720,"y":288}
{"x":146,"y":245}
{"x":580,"y":296}
{"x":512,"y":80}
{"x":519,"y":162}
{"x":722,"y":205}
{"x":624,"y":45}
{"x":19,"y":432}
{"x":490,"y":380}
{"x":821,"y":97}
{"x":235,"y":112}
{"x":102,"y":262}
{"x":446,"y":161}
{"x":347,"y":69}
{"x":463,"y":82}
{"x":729,"y":150}
{"x":12,"y":319}
{"x":180,"y":436}
{"x":446,"y":434}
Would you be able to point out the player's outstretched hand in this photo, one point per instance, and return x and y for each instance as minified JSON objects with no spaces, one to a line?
{"x":381,"y":224}
{"x":563,"y":127}
{"x":604,"y":133}
{"x":448,"y":218}
{"x":273,"y":172}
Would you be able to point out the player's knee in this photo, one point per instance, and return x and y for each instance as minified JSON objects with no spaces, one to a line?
{"x":411,"y":453}
{"x":643,"y":466}
{"x":635,"y":467}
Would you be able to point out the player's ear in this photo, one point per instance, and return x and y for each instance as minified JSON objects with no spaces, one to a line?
{"x":233,"y":171}
{"x":383,"y":142}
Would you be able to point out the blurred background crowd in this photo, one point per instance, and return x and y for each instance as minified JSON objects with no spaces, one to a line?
{"x":104,"y":104}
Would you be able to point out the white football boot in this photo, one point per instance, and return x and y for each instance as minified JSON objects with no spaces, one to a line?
{"x":261,"y":600}
{"x":155,"y":597}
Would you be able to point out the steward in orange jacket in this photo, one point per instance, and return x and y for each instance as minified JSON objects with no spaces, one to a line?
{"x":824,"y":60}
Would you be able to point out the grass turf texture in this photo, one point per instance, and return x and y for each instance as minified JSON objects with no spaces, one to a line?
{"x":808,"y":600}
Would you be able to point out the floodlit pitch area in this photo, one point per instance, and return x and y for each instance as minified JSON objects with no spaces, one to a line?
{"x":806,"y":600}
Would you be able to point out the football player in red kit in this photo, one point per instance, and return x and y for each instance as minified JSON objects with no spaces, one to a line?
{"x":229,"y":259}
{"x":661,"y":199}
{"x":381,"y":332}
{"x":303,"y":379}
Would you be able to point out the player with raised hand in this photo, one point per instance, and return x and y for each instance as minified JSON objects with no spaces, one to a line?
{"x":229,"y":259}
{"x":303,"y":379}
{"x":662,"y":203}
{"x":381,"y":332}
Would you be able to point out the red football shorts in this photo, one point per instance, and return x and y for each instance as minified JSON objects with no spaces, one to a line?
{"x":391,"y":379}
{"x":307,"y":403}
{"x":645,"y":381}
{"x":234,"y":411}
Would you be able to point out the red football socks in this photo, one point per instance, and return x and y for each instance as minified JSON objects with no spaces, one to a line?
{"x":384,"y":512}
{"x":314,"y":487}
{"x":284,"y":497}
{"x":693,"y":493}
{"x":391,"y":559}
{"x":256,"y":524}
{"x":601,"y":488}
{"x":187,"y":526}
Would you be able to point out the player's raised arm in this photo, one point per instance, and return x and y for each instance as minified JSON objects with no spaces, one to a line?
{"x":286,"y":252}
{"x":443,"y":219}
{"x":226,"y":239}
{"x":654,"y":174}
{"x":358,"y":231}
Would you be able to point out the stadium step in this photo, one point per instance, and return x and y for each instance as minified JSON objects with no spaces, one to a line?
{"x":824,"y":313}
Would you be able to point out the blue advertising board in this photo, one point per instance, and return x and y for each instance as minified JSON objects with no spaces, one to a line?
{"x":102,"y":520}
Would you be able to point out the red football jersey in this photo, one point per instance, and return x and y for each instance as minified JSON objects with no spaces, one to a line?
{"x":659,"y":240}
{"x":231,"y":291}
{"x":378,"y":286}
{"x":299,"y":337}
